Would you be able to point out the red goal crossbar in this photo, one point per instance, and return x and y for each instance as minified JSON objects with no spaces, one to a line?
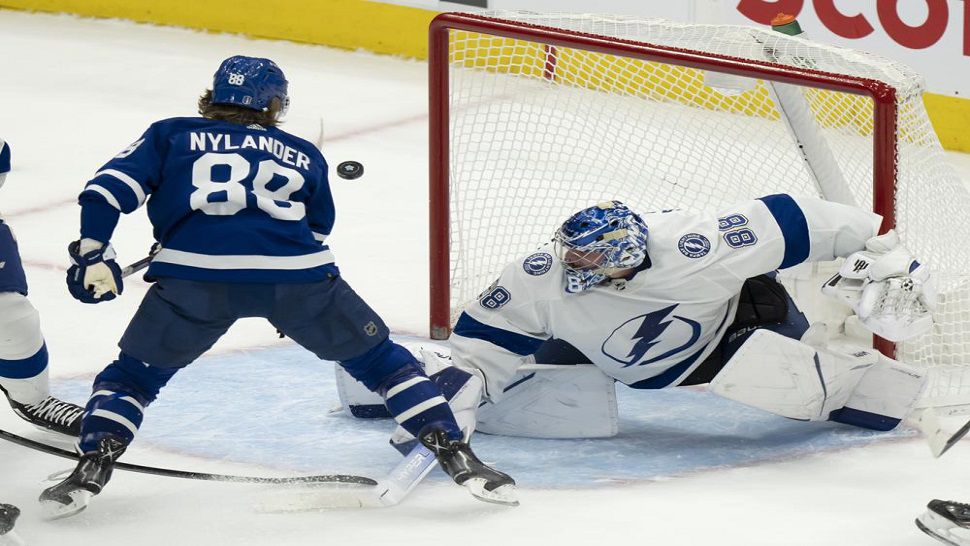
{"x":882,"y":94}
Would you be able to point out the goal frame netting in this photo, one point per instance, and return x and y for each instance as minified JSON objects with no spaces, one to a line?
{"x":883,"y":96}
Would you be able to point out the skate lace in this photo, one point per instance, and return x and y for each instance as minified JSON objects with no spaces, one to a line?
{"x":56,"y":411}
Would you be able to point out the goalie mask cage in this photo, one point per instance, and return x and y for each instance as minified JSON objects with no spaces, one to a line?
{"x":535,"y":116}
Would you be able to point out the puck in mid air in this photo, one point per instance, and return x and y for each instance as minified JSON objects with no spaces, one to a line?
{"x":350,"y":170}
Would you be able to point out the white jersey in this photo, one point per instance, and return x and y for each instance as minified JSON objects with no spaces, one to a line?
{"x":653,"y":330}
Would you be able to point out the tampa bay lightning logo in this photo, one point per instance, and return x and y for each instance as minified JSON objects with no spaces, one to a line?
{"x":652,"y":337}
{"x":694,"y":245}
{"x":538,"y":264}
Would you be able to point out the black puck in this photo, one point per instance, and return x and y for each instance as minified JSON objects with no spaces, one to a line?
{"x":8,"y":516}
{"x":350,"y":170}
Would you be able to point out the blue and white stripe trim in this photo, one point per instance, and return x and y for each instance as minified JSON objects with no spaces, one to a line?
{"x":132,"y":184}
{"x":118,"y":189}
{"x":110,"y":412}
{"x":510,"y":341}
{"x":794,"y":228}
{"x":105,"y":193}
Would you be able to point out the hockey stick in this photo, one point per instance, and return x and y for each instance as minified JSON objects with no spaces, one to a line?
{"x":172,"y":473}
{"x":389,"y":491}
{"x":404,"y":477}
{"x":348,"y":170}
{"x":135,"y":267}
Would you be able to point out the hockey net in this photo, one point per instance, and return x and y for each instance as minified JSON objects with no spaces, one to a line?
{"x":535,"y":116}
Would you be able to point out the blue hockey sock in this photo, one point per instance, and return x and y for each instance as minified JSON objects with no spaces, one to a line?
{"x":120,"y":395}
{"x":417,"y":403}
{"x":414,"y":401}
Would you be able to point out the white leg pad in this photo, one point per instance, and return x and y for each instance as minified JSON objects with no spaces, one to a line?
{"x":27,"y":391}
{"x":789,"y":378}
{"x":889,"y":388}
{"x":20,"y":338}
{"x":20,"y":335}
{"x":545,"y":401}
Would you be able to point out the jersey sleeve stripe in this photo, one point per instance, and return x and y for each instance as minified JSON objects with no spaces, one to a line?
{"x":794,"y":227}
{"x":223,"y":262}
{"x":517,"y":343}
{"x":103,"y":192}
{"x":129,"y":181}
{"x":319,"y":236}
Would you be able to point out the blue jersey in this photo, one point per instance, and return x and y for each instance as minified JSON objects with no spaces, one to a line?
{"x":228,"y":202}
{"x":4,"y":157}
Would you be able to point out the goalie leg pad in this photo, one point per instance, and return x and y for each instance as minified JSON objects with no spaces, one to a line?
{"x":884,"y":396}
{"x":840,"y":383}
{"x":545,"y":401}
{"x":789,"y":378}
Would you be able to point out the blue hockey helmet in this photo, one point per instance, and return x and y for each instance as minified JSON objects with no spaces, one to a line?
{"x":250,"y":82}
{"x":598,"y":241}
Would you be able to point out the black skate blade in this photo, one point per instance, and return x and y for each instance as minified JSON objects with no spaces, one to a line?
{"x":956,"y":437}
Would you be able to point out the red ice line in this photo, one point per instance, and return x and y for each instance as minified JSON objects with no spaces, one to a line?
{"x":335,"y":138}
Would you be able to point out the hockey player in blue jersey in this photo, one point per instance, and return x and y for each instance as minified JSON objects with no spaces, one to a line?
{"x":23,"y":353}
{"x":242,"y":211}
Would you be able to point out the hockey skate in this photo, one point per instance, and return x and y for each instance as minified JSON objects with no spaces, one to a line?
{"x":946,"y":521}
{"x":8,"y":517}
{"x":458,"y":461}
{"x":88,"y":479}
{"x":51,"y":414}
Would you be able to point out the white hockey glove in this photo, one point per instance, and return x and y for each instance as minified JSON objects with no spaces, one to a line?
{"x":892,"y":294}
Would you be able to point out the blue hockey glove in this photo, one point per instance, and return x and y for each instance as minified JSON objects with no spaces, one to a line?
{"x":94,"y":276}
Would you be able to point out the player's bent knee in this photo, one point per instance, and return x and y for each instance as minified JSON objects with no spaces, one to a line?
{"x":20,"y":324}
{"x":133,"y":377}
{"x":379,"y":363}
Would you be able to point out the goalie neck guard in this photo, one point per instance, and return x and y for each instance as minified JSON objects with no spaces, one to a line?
{"x":599,"y":241}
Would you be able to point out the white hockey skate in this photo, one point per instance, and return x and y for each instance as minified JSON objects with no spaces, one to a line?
{"x":946,"y":521}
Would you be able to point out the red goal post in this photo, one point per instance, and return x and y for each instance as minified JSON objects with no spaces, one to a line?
{"x":534,"y":116}
{"x":440,"y":63}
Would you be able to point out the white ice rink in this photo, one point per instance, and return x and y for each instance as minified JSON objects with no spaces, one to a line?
{"x":686,"y":469}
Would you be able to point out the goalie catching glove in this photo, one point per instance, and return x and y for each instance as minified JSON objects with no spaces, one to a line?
{"x":892,"y":294}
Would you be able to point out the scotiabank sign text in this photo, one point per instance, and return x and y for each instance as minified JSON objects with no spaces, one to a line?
{"x":851,"y":25}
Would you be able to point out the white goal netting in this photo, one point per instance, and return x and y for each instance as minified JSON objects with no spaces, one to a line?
{"x":539,"y":131}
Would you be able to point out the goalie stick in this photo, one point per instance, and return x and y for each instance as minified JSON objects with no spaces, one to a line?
{"x":206,"y":476}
